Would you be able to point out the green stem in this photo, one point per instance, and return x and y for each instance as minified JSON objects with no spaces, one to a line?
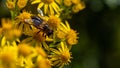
{"x":12,"y":15}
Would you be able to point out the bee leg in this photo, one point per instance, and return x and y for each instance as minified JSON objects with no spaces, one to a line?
{"x":44,"y":35}
{"x":38,"y":32}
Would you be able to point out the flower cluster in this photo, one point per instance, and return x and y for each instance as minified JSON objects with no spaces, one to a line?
{"x":38,"y":37}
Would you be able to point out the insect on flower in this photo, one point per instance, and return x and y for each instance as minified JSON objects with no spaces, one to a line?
{"x":39,"y":23}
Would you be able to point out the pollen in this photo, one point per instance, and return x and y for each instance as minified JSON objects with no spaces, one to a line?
{"x":21,"y":3}
{"x":24,"y":49}
{"x":72,"y":37}
{"x":48,"y":1}
{"x":54,"y":21}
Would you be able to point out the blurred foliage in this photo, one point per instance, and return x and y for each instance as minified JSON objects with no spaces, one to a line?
{"x":99,"y":34}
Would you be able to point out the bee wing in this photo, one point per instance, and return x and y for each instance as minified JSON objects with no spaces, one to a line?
{"x":40,"y":12}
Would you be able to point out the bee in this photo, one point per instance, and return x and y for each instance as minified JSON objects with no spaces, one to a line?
{"x":39,"y":23}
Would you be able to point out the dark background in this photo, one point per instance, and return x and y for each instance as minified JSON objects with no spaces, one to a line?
{"x":99,"y":34}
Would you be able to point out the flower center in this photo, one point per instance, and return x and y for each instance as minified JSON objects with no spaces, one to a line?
{"x":65,"y":57}
{"x":54,"y":21}
{"x":47,"y":1}
{"x":23,"y":16}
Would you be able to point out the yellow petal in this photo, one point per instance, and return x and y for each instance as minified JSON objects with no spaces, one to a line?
{"x":62,"y":29}
{"x":18,"y":40}
{"x":62,"y":46}
{"x":64,"y":26}
{"x":46,"y":8}
{"x":40,"y":5}
{"x":3,"y":41}
{"x":27,"y":40}
{"x":21,"y":26}
{"x":49,"y":39}
{"x":55,"y":51}
{"x":14,"y":43}
{"x":36,"y":1}
{"x":8,"y":42}
{"x":60,"y":50}
{"x":68,"y":26}
{"x":55,"y":63}
{"x":46,"y":46}
{"x":51,"y":9}
{"x":55,"y":7}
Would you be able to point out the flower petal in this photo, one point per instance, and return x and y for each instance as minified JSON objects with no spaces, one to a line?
{"x":36,"y":1}
{"x":3,"y":41}
{"x":55,"y":7}
{"x":40,"y":5}
{"x":51,"y":9}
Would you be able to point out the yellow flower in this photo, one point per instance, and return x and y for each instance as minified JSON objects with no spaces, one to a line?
{"x":54,"y":21}
{"x":8,"y":56}
{"x":72,"y":37}
{"x":21,"y":3}
{"x":25,"y":62}
{"x":60,"y":34}
{"x":37,"y":36}
{"x":69,"y":34}
{"x":25,"y":27}
{"x":75,"y":1}
{"x":7,"y":24}
{"x":12,"y":34}
{"x":43,"y":62}
{"x":49,"y":6}
{"x":41,"y":51}
{"x":25,"y":49}
{"x":77,"y":7}
{"x":26,"y":54}
{"x":61,"y":56}
{"x":67,"y":2}
{"x":11,"y":4}
{"x":16,"y":32}
{"x":8,"y":30}
{"x":64,"y":27}
{"x":24,"y":15}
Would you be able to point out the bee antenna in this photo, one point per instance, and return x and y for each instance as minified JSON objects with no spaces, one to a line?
{"x":40,"y":11}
